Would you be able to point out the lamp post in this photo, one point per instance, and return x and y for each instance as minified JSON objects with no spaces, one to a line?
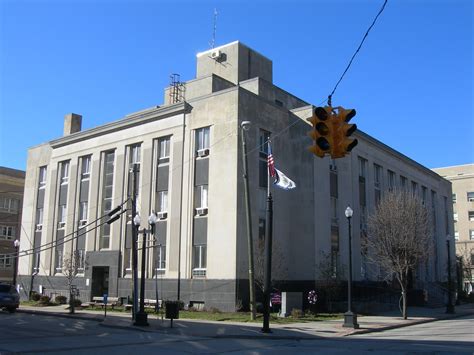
{"x":141,"y":318}
{"x":350,"y":318}
{"x":16,"y":244}
{"x":449,"y":306}
{"x":245,"y":126}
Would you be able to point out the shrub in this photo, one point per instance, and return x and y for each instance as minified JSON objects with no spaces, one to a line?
{"x":44,"y":300}
{"x":60,"y":299}
{"x":77,"y":302}
{"x":214,"y":310}
{"x":297,"y":313}
{"x":35,"y":296}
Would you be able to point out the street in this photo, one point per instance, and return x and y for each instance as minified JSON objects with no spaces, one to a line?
{"x":29,"y":333}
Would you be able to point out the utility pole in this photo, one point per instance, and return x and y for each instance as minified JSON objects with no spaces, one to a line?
{"x":245,"y":126}
{"x":135,"y":169}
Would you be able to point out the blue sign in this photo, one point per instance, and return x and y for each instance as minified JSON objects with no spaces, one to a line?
{"x":105,"y":298}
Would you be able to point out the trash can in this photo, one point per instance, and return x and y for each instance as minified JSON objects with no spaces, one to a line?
{"x":172,"y":310}
{"x":123,"y":301}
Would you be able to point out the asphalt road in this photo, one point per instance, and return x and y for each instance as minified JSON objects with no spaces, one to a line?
{"x":28,"y":333}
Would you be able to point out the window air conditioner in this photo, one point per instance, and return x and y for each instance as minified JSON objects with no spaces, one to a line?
{"x":203,"y":152}
{"x":39,"y":227}
{"x":82,"y":223}
{"x":61,"y":225}
{"x":216,"y":54}
{"x":201,"y":211}
{"x":162,"y":215}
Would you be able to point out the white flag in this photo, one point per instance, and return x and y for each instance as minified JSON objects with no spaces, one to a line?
{"x":283,"y":182}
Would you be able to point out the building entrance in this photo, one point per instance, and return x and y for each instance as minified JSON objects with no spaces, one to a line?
{"x":100,"y":280}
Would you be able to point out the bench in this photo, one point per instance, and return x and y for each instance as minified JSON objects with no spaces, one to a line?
{"x":149,"y":303}
{"x":99,"y":301}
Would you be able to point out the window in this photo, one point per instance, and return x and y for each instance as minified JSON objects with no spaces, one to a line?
{"x":202,"y":138}
{"x":160,"y":259}
{"x":403,"y":182}
{"x":454,"y":198}
{"x":164,"y":148}
{"x":362,"y":167}
{"x":135,"y":154}
{"x":264,"y":137}
{"x":39,"y":218}
{"x":423,"y":194}
{"x":81,"y":257}
{"x":5,"y":262}
{"x":61,"y":216}
{"x":203,"y":192}
{"x":471,"y":234}
{"x":107,"y":193}
{"x":7,"y":232}
{"x":470,"y":215}
{"x":162,"y":201}
{"x":199,"y":260}
{"x":414,"y":187}
{"x":470,"y":196}
{"x":42,"y":177}
{"x":59,"y":260}
{"x":85,"y":168}
{"x":9,"y":205}
{"x":333,"y":210}
{"x":377,"y":183}
{"x":64,"y":170}
{"x":261,"y":229}
{"x":377,"y":176}
{"x":456,"y":235}
{"x":391,"y":180}
{"x":455,"y":216}
{"x":83,"y":210}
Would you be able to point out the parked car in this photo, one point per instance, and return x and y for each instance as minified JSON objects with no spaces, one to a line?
{"x":9,"y":298}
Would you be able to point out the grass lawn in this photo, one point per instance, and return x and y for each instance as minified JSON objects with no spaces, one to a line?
{"x":220,"y":316}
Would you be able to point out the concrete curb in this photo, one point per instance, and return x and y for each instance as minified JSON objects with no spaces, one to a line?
{"x":402,"y":325}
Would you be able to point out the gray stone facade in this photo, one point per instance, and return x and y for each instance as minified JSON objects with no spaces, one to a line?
{"x":190,"y":172}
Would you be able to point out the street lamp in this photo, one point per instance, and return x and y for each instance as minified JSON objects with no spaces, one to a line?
{"x":245,"y":126}
{"x":350,"y":318}
{"x":141,"y":318}
{"x":449,"y":306}
{"x":16,"y":244}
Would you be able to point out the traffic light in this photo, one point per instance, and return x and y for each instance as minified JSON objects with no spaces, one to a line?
{"x":321,"y":132}
{"x":342,"y":144}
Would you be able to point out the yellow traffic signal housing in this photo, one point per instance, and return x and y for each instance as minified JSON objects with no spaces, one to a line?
{"x":342,"y":143}
{"x":321,"y":132}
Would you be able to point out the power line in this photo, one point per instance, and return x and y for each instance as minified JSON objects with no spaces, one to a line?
{"x":357,"y":51}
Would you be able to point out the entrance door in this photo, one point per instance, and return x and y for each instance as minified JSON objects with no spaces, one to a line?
{"x":100,"y":281}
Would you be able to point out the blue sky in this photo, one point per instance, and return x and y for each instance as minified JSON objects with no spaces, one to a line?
{"x":411,"y":83}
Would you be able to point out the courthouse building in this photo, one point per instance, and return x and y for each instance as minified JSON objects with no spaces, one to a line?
{"x":190,"y":158}
{"x":462,"y":179}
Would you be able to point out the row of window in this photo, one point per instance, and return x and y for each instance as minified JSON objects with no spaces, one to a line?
{"x":6,"y":262}
{"x":470,"y":216}
{"x":7,"y":232}
{"x":202,"y":149}
{"x":9,"y":205}
{"x":469,"y":195}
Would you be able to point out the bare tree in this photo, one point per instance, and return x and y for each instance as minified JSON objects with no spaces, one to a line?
{"x":398,"y":238}
{"x":71,"y":267}
{"x":465,"y":254}
{"x":279,"y":265}
{"x":331,"y":273}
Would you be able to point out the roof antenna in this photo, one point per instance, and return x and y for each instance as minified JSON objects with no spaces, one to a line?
{"x":213,"y":42}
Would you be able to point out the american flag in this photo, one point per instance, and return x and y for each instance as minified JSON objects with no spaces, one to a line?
{"x":271,"y":163}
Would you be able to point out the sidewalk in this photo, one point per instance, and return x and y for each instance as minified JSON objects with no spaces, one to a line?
{"x":212,"y":329}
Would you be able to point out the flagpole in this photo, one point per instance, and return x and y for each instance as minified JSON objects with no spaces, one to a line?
{"x":268,"y":254}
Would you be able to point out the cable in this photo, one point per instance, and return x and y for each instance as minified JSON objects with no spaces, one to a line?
{"x":55,"y":243}
{"x":357,"y":51}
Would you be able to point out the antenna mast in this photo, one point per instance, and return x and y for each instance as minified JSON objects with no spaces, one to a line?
{"x":213,"y":42}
